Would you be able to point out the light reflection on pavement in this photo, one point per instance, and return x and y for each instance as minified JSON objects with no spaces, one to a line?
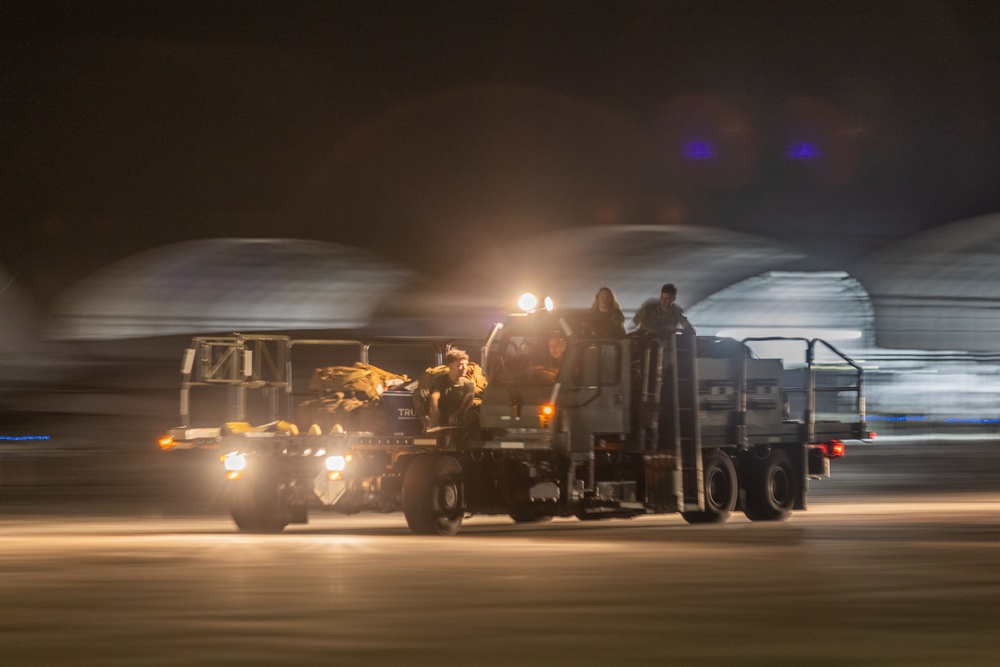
{"x":901,"y":580}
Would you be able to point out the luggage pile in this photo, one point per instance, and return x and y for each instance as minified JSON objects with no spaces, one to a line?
{"x":348,"y":397}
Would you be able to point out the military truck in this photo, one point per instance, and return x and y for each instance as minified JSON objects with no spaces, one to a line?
{"x":626,"y":425}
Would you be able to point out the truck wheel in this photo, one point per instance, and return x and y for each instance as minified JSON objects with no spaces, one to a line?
{"x":771,"y":488}
{"x":432,"y":496}
{"x":721,"y":490}
{"x":256,"y":507}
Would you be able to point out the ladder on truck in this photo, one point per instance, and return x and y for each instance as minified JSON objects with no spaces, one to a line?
{"x":680,"y":416}
{"x":669,"y":419}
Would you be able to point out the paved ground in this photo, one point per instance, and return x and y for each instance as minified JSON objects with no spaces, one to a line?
{"x":896,"y":582}
{"x":897,"y":562}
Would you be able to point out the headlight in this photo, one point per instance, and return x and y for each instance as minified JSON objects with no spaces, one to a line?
{"x":235,"y":462}
{"x":335,"y":463}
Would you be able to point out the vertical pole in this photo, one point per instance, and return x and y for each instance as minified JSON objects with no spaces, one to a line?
{"x":810,"y":415}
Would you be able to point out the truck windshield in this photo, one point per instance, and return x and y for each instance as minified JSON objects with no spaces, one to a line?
{"x":527,"y":359}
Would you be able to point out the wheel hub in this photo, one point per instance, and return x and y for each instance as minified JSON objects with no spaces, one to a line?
{"x":779,"y":487}
{"x":717,"y":488}
{"x":449,"y":497}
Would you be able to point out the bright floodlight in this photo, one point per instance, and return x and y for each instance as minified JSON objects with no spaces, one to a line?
{"x":235,"y":462}
{"x":548,"y":303}
{"x":527,"y":302}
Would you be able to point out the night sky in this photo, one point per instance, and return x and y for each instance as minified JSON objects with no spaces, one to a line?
{"x":431,"y":131}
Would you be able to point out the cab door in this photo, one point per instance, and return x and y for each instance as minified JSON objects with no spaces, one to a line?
{"x":595,"y":391}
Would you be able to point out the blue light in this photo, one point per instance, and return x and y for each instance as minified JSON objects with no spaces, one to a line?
{"x":699,"y":149}
{"x":803,"y":150}
{"x":921,"y":418}
{"x":18,"y":438}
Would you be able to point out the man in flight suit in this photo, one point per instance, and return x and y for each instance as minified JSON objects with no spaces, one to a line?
{"x":662,"y":316}
{"x":451,"y":394}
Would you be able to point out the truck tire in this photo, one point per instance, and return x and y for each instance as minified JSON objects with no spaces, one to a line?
{"x":432,"y":496}
{"x":721,"y":490}
{"x":771,"y":488}
{"x":256,"y":506}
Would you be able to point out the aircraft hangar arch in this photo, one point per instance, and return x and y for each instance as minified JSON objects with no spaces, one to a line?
{"x":938,"y":290}
{"x":226,"y":285}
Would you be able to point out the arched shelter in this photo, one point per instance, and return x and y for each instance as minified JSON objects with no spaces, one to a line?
{"x":938,"y":290}
{"x":225,"y":285}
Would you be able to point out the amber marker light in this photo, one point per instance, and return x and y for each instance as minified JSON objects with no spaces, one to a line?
{"x":166,"y":442}
{"x":546,"y":413}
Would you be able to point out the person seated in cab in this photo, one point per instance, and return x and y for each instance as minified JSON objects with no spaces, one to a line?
{"x":549,"y":369}
{"x":451,"y":394}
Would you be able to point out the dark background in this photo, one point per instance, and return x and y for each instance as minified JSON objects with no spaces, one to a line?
{"x":430,"y":131}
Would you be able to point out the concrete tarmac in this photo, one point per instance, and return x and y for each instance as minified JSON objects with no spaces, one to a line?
{"x":896,"y":562}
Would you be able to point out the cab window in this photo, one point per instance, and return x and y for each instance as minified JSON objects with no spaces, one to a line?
{"x":598,"y":364}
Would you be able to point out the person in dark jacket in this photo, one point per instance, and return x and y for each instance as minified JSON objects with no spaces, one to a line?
{"x":663,"y":316}
{"x":606,"y":305}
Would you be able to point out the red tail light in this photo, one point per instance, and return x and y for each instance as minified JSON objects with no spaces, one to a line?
{"x":834,"y":449}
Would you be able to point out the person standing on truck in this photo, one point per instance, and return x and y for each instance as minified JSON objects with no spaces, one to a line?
{"x":606,"y":306}
{"x":662,"y":316}
{"x":451,"y":394}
